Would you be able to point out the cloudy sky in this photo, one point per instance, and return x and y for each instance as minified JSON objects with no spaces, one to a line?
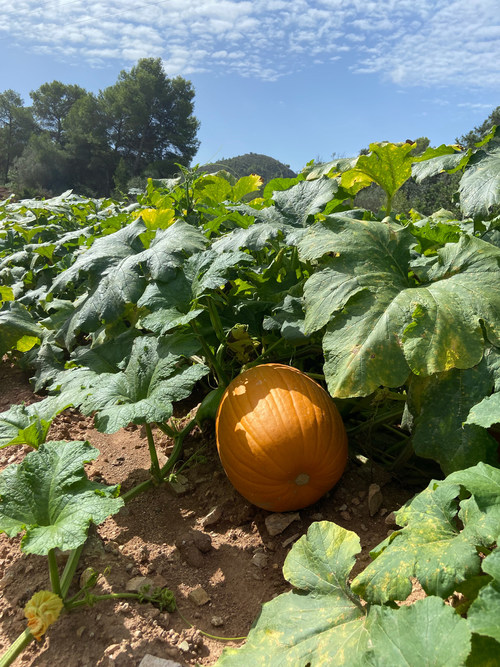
{"x":294,"y":79}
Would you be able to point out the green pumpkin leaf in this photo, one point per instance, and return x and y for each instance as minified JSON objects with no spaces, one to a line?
{"x":484,"y":652}
{"x":486,"y":412}
{"x":18,"y":329}
{"x":29,"y":424}
{"x":429,"y":547}
{"x":388,"y":165}
{"x":432,"y":545}
{"x":440,"y":433}
{"x":145,"y":390}
{"x":49,"y":497}
{"x":319,"y":624}
{"x":484,"y":613}
{"x":426,"y":633}
{"x":480,"y":185}
{"x":119,"y":268}
{"x":380,"y":324}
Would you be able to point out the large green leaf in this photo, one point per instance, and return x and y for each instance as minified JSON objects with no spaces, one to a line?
{"x":119,"y":268}
{"x":483,"y":616}
{"x":486,"y":412}
{"x":292,"y":208}
{"x":320,"y":624}
{"x":49,"y":497}
{"x":449,"y":160}
{"x":145,"y":390}
{"x":432,"y":545}
{"x":388,"y":165}
{"x":304,"y":199}
{"x":480,"y":185}
{"x":429,"y":547}
{"x":426,"y":634}
{"x":18,"y":329}
{"x":439,"y":405}
{"x":480,"y":513}
{"x":29,"y":424}
{"x":380,"y":324}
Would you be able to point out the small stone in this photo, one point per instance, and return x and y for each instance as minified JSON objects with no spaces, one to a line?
{"x":199,"y":596}
{"x":184,"y":647}
{"x":383,"y":511}
{"x":135,"y":584}
{"x":112,"y":648}
{"x":164,"y":619}
{"x":80,"y":631}
{"x":259,"y":559}
{"x":217,"y":621}
{"x":346,"y":516}
{"x":152,"y":661}
{"x":343,"y":508}
{"x":277,"y":523}
{"x":375,"y":499}
{"x":291,"y":539}
{"x":212,"y":517}
{"x":354,"y":501}
{"x":363,"y":527}
{"x":179,"y":486}
{"x":317,"y":516}
{"x":390,"y":519}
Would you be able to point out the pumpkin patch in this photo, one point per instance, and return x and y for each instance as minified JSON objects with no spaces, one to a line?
{"x":280,"y":438}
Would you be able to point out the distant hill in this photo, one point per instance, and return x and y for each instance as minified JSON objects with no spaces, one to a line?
{"x":251,"y":163}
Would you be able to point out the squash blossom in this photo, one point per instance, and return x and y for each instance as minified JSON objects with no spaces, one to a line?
{"x":41,"y":611}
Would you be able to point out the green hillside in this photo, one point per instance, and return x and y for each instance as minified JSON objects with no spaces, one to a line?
{"x":251,"y":163}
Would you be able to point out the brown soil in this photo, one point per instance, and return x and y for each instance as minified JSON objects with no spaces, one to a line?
{"x":239,"y":564}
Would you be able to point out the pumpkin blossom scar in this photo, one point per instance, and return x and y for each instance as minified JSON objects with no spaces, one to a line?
{"x":41,"y":611}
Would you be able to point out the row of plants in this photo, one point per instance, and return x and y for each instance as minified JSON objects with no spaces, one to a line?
{"x":123,"y":310}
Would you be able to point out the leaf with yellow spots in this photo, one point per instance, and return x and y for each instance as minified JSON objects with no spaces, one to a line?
{"x":433,"y":546}
{"x":322,"y":623}
{"x":385,"y":316}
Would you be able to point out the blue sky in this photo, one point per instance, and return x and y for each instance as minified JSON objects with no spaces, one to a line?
{"x":294,"y":79}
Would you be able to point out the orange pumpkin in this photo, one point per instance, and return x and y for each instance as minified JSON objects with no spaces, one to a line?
{"x":280,"y":438}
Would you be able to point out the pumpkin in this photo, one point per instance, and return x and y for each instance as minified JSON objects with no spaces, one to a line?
{"x":280,"y":437}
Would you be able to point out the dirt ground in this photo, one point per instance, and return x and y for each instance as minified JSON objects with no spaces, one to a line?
{"x":203,"y":535}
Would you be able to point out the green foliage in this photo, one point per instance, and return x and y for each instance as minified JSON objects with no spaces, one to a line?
{"x":52,"y":103}
{"x":473,"y":137}
{"x":209,"y":283}
{"x":29,"y":424}
{"x":266,"y":167}
{"x":143,"y":125}
{"x":49,"y":497}
{"x":480,"y":185}
{"x":123,"y":310}
{"x":16,"y":125}
{"x":323,"y":621}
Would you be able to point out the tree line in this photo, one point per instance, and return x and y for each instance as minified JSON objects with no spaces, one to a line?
{"x":97,"y":144}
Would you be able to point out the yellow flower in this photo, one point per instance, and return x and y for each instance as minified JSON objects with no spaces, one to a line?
{"x":41,"y":611}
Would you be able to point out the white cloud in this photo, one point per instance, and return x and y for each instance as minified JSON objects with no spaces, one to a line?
{"x":409,"y":42}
